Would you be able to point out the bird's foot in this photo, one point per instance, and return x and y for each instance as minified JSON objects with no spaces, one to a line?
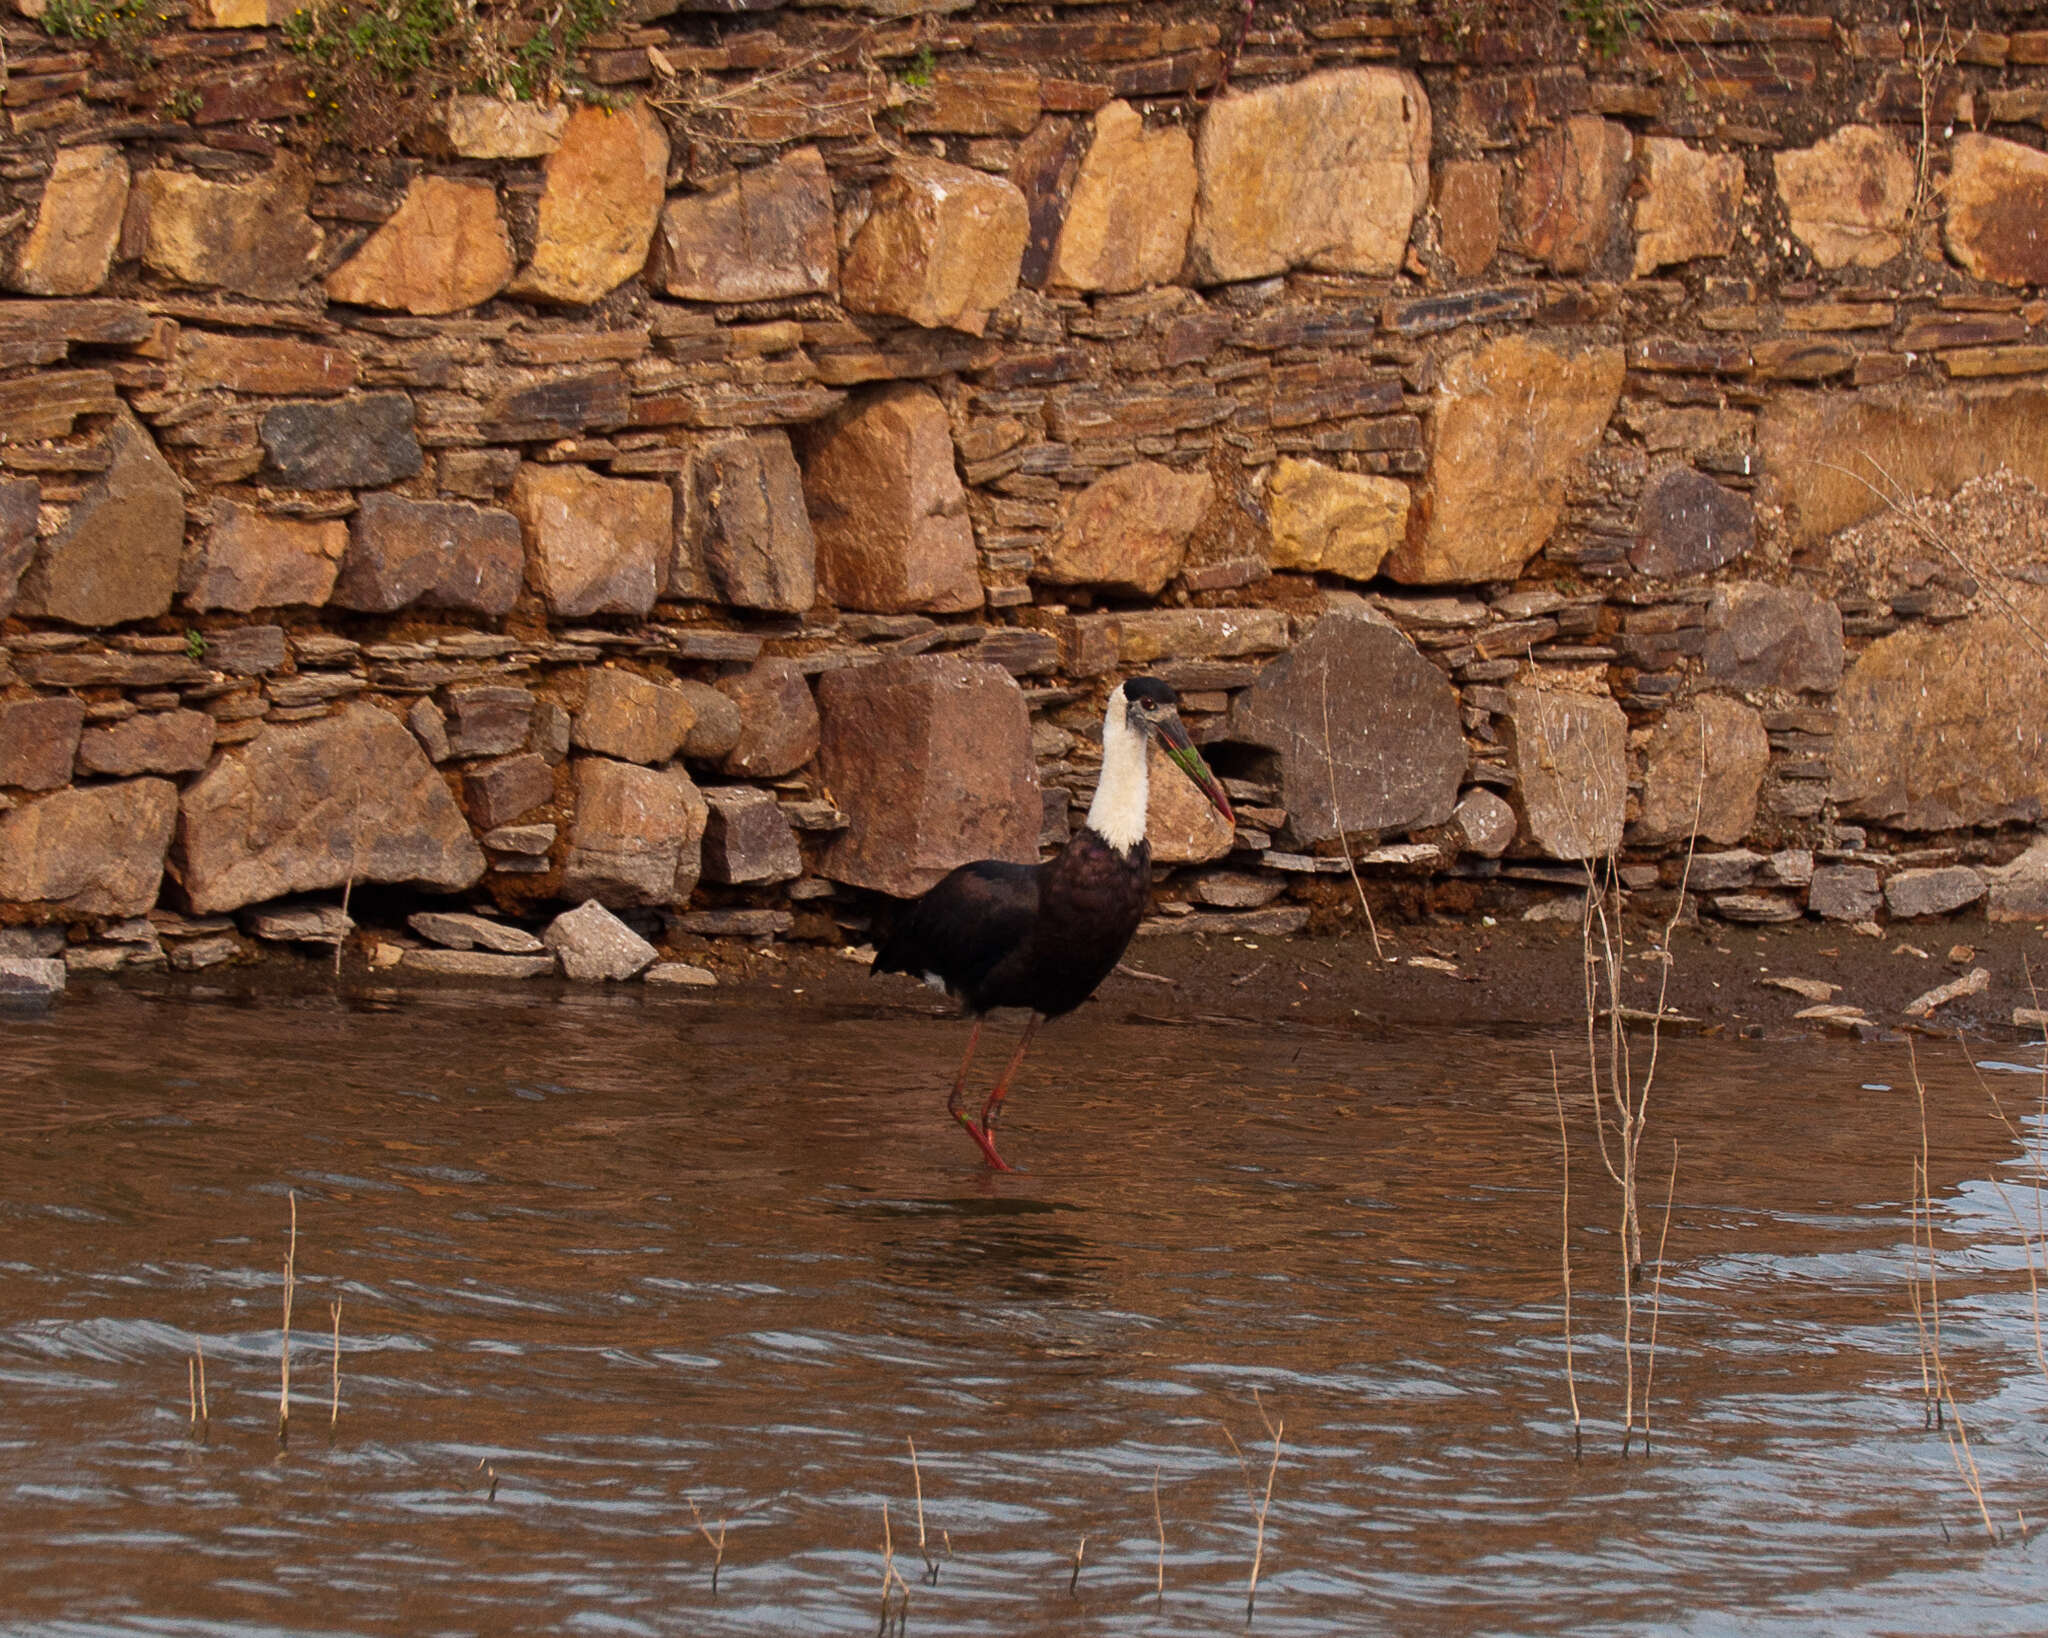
{"x":984,"y":1140}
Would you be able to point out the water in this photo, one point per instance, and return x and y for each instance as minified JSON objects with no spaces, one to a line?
{"x":619,"y":1254}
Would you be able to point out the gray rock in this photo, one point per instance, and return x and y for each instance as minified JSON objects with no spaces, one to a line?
{"x":20,"y":499}
{"x":530,"y":840}
{"x":747,"y":838}
{"x":1691,"y":525}
{"x":1239,"y":890}
{"x":1274,"y":922}
{"x":1844,"y":892}
{"x":310,"y":923}
{"x":349,"y":797}
{"x":498,"y":792}
{"x":638,"y":834}
{"x":30,"y":976}
{"x":734,"y":923}
{"x":1756,"y":907}
{"x":680,"y":973}
{"x":486,"y":719}
{"x":39,"y":741}
{"x":593,"y":944}
{"x":1773,"y":637}
{"x":1485,"y":821}
{"x":1569,"y":753}
{"x":477,"y":964}
{"x":246,"y":651}
{"x":1790,"y":867}
{"x":94,"y":850}
{"x":192,"y":955}
{"x":459,"y":930}
{"x":431,"y":554}
{"x":31,"y":941}
{"x":352,"y":443}
{"x":116,"y":559}
{"x":778,"y":730}
{"x":1719,"y":872}
{"x":1356,"y":697}
{"x":746,"y":521}
{"x":716,"y":731}
{"x":2019,"y":891}
{"x":1932,"y":892}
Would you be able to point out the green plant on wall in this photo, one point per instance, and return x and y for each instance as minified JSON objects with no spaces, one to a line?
{"x":1607,"y":25}
{"x":123,"y":24}
{"x":376,"y":64}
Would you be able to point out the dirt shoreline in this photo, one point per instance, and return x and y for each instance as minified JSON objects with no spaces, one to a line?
{"x":1444,"y":974}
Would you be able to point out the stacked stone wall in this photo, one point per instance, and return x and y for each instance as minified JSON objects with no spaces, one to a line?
{"x":734,"y":490}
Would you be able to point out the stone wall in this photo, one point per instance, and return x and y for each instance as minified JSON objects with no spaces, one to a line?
{"x":735,"y":492}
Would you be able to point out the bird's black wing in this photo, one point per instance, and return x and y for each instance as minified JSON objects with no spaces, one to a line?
{"x":964,"y":926}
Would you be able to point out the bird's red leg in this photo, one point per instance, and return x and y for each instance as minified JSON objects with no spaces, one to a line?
{"x":953,"y":1108}
{"x":993,"y":1107}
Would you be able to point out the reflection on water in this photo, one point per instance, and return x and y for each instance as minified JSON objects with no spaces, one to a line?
{"x":618,"y":1255}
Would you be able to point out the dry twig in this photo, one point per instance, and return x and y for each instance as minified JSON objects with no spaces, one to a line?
{"x":716,"y":1543}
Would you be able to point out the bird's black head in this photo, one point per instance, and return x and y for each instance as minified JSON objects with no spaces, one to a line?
{"x":1147,"y":699}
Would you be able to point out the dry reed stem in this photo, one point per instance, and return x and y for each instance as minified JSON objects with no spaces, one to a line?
{"x":490,"y":1472}
{"x":284,"y":1346}
{"x":191,"y":1395}
{"x":1159,"y":1523}
{"x":890,"y":1578}
{"x":1330,"y":767}
{"x":1571,"y":1381}
{"x":1074,"y":1580}
{"x":716,"y":1543}
{"x":2012,"y":1211}
{"x":199,"y":1353}
{"x":1657,"y":1295}
{"x":1260,"y":1506}
{"x":931,"y":1565}
{"x":334,"y":1409}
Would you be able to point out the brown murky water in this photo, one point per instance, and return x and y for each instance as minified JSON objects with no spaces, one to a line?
{"x":631,"y":1252}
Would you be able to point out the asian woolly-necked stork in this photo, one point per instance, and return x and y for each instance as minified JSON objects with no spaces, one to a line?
{"x":1043,"y":936}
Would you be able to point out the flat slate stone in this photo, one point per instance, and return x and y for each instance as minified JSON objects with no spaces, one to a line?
{"x":459,"y":930}
{"x":477,"y":964}
{"x":351,"y":443}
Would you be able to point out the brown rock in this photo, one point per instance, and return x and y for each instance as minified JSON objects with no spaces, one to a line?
{"x":94,"y":851}
{"x":767,"y":233}
{"x":20,"y":498}
{"x":753,"y":536}
{"x":78,"y":223}
{"x":1687,"y":209}
{"x":1180,"y":822}
{"x":1822,"y":452}
{"x":1569,"y":195}
{"x":942,"y":245}
{"x":1570,"y":757}
{"x":252,"y":237}
{"x":445,"y":248}
{"x":486,"y":719}
{"x":637,"y":837}
{"x":250,"y":561}
{"x":778,"y":720}
{"x":1327,"y":172}
{"x":430,"y":554}
{"x":597,"y":544}
{"x":160,"y":742}
{"x":1848,"y":197}
{"x":1132,"y":204}
{"x":1706,"y":759}
{"x":1773,"y":637}
{"x":349,"y":797}
{"x":497,"y":128}
{"x":38,"y":740}
{"x":1997,"y":205}
{"x":1691,"y":525}
{"x":1941,"y":729}
{"x":599,"y":205}
{"x":116,"y":558}
{"x":887,"y":507}
{"x":748,"y":839}
{"x":1356,"y":700}
{"x":1468,"y":215}
{"x":496,"y":793}
{"x":930,"y":757}
{"x":632,"y":718}
{"x":262,"y":365}
{"x":1331,"y":522}
{"x":1128,"y":530}
{"x":975,"y":102}
{"x":1512,"y":419}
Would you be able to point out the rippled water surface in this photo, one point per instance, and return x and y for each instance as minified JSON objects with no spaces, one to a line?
{"x":602,"y":1257}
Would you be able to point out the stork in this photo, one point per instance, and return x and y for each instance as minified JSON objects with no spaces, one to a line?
{"x":1043,"y":936}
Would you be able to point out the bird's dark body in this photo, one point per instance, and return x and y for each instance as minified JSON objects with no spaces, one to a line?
{"x":1015,"y":935}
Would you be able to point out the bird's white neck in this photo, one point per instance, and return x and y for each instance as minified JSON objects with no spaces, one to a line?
{"x":1117,"y":814}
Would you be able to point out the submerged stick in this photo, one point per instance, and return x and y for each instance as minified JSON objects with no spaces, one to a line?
{"x":716,"y":1543}
{"x":284,"y":1347}
{"x":1657,"y":1295}
{"x":931,"y":1565}
{"x":334,"y":1410}
{"x":1159,"y":1520}
{"x":1074,"y":1580}
{"x":1571,"y":1382}
{"x":1259,"y":1507}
